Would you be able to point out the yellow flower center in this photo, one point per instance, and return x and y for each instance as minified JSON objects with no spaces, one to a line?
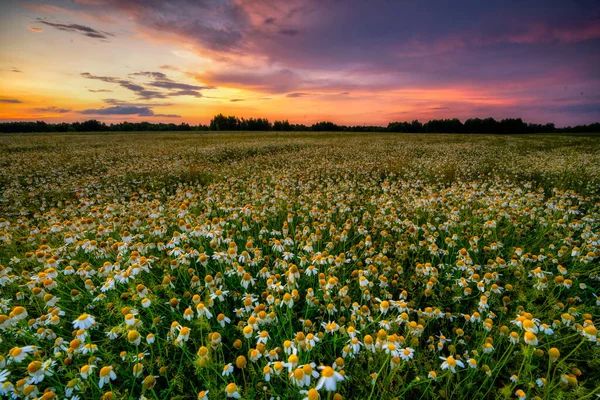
{"x":231,"y":388}
{"x":327,"y":372}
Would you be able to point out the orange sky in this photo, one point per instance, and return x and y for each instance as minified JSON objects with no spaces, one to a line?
{"x":183,"y":61}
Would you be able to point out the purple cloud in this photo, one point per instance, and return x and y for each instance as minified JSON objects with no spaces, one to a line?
{"x":53,"y":109}
{"x":76,"y":28}
{"x":158,"y":81}
{"x":127,"y":110}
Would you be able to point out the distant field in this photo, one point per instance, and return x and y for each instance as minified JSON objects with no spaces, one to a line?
{"x":377,"y":265}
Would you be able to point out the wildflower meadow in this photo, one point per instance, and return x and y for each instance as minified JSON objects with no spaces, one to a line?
{"x":299,"y":266}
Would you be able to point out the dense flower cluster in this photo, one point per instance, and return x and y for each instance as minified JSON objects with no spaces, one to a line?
{"x":298,"y":267}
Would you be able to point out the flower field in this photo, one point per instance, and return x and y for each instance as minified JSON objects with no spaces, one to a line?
{"x":299,"y":266}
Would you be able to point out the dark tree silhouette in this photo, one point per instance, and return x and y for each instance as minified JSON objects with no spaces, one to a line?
{"x":232,"y":123}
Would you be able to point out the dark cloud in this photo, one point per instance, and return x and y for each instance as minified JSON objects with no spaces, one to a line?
{"x":168,"y":115}
{"x":381,"y":35}
{"x":99,"y":90}
{"x":53,"y":109}
{"x":76,"y":28}
{"x":121,"y":110}
{"x":236,"y":100}
{"x":120,"y":107}
{"x":159,"y":81}
{"x":289,"y":32}
{"x":162,"y":81}
{"x":150,"y":74}
{"x":116,"y":102}
{"x":298,"y":94}
{"x":170,"y":85}
{"x":188,"y":92}
{"x":11,"y":101}
{"x":215,"y":25}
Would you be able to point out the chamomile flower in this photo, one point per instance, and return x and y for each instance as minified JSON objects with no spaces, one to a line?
{"x":203,"y":395}
{"x":18,"y":354}
{"x":107,"y":374}
{"x":227,"y":370}
{"x":407,"y":354}
{"x":329,"y":379}
{"x":232,"y":391}
{"x":84,"y":321}
{"x":530,"y":338}
{"x":311,"y":394}
{"x":451,"y":363}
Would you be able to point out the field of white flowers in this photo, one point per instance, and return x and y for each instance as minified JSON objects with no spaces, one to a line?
{"x":299,"y":266}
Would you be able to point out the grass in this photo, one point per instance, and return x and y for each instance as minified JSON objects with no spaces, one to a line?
{"x":383,"y":257}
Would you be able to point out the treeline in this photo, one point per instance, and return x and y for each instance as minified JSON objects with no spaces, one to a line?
{"x":94,"y":126}
{"x":231,"y":123}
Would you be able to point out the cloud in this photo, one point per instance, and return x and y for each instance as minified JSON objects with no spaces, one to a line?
{"x":80,"y":29}
{"x":11,"y":101}
{"x":53,"y":109}
{"x":186,"y":92}
{"x":124,"y":108}
{"x":298,"y":94}
{"x":169,"y":67}
{"x":35,"y":29}
{"x":83,"y":14}
{"x":168,"y":115}
{"x":277,"y":81}
{"x":338,"y":34}
{"x":120,"y":110}
{"x":592,"y":108}
{"x":170,"y":85}
{"x":150,"y":74}
{"x":289,"y":32}
{"x":160,"y":80}
{"x":544,"y":33}
{"x":99,"y":90}
{"x":139,"y":90}
{"x":116,"y":102}
{"x":236,"y":100}
{"x":216,"y":26}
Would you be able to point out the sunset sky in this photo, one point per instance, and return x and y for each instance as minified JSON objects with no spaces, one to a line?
{"x":350,"y":62}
